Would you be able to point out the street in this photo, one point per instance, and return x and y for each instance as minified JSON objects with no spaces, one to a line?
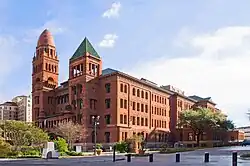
{"x":218,"y":156}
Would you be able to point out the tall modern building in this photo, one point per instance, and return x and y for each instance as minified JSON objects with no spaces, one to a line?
{"x":126,"y":105}
{"x":24,"y":104}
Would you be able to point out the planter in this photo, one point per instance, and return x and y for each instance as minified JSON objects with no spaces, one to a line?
{"x":98,"y":152}
{"x":141,"y":152}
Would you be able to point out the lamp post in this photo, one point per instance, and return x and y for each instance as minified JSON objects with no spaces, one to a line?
{"x":95,"y":122}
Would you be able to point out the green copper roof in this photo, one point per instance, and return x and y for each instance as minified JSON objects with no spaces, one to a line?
{"x":84,"y":47}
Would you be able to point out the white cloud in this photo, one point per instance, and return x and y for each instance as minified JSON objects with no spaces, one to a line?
{"x":53,"y":26}
{"x":220,"y":68}
{"x":113,"y":11}
{"x":108,"y":41}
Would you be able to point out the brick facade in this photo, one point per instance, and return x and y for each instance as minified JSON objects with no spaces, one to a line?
{"x":126,"y":105}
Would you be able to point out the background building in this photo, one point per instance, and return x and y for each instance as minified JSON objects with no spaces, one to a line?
{"x":24,"y":104}
{"x":246,"y":130}
{"x":8,"y":111}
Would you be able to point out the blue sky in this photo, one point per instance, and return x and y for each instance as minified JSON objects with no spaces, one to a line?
{"x":201,"y":47}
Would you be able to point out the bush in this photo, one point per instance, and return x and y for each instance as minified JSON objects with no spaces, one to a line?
{"x":73,"y":153}
{"x":121,"y":147}
{"x":15,"y":154}
{"x":5,"y":148}
{"x":31,"y":151}
{"x":61,"y":145}
{"x":246,"y":155}
{"x":98,"y":146}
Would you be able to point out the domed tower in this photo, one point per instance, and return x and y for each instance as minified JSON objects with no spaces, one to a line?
{"x":45,"y":72}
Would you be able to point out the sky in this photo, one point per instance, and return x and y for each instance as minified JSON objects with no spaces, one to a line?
{"x":201,"y":47}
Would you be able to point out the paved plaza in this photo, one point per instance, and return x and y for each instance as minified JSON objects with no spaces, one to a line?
{"x":218,"y":156}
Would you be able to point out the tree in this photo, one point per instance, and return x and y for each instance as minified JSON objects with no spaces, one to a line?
{"x":61,"y":145}
{"x":70,"y":131}
{"x":199,"y":120}
{"x":22,"y":133}
{"x":5,"y":148}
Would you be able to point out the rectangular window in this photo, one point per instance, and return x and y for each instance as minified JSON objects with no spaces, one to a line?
{"x":126,"y":135}
{"x":121,"y":119}
{"x":107,"y":87}
{"x":146,"y":108}
{"x":152,"y":123}
{"x":125,"y":119}
{"x":107,"y":137}
{"x":142,"y":107}
{"x":107,"y":103}
{"x":138,"y":106}
{"x":146,"y":121}
{"x":133,"y":120}
{"x":133,"y":105}
{"x":138,"y":121}
{"x":121,"y":103}
{"x":107,"y":119}
{"x":142,"y":121}
{"x":125,"y":104}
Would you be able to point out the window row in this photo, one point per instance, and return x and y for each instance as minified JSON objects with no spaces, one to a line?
{"x":123,"y":88}
{"x":123,"y":103}
{"x":78,"y":88}
{"x":77,"y":103}
{"x":186,"y":105}
{"x":50,"y":52}
{"x":159,"y":111}
{"x":158,"y":123}
{"x":139,"y":93}
{"x":159,"y":99}
{"x":140,"y":107}
{"x":139,"y":121}
{"x":51,"y":68}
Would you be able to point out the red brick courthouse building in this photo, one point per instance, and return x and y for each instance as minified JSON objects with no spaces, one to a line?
{"x":126,"y":105}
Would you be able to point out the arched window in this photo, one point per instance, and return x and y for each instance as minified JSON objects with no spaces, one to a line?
{"x":138,"y":93}
{"x":49,"y":67}
{"x":51,"y":79}
{"x":146,"y":95}
{"x":55,"y":69}
{"x":121,"y":87}
{"x":52,"y":68}
{"x":46,"y":66}
{"x":134,"y":91}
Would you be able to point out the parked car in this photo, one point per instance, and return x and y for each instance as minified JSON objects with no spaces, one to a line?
{"x":245,"y":142}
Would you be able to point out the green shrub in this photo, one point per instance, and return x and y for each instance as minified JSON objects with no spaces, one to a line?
{"x":246,"y":155}
{"x":121,"y":147}
{"x":98,"y":146}
{"x":5,"y":148}
{"x":61,"y":145}
{"x":31,"y":153}
{"x":15,"y":154}
{"x":73,"y":153}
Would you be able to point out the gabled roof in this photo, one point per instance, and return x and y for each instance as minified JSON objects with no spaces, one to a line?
{"x":83,"y":48}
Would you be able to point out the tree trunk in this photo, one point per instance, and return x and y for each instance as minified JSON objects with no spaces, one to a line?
{"x":198,"y":139}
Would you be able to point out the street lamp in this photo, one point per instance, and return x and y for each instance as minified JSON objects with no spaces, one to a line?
{"x":95,"y":122}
